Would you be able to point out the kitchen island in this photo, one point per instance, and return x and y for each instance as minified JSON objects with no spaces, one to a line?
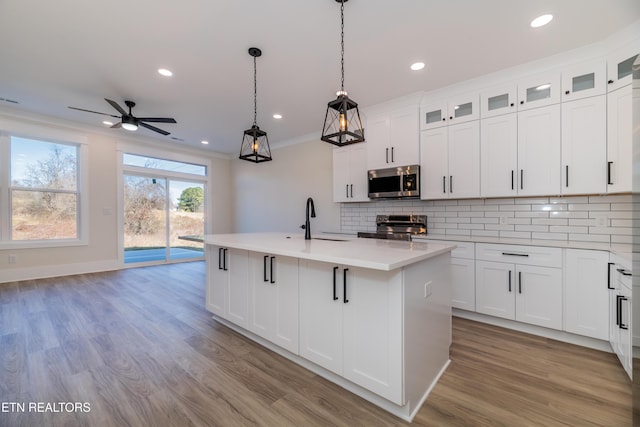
{"x":373,"y":316}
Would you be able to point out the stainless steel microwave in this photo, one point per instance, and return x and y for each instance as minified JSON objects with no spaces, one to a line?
{"x":394,"y":183}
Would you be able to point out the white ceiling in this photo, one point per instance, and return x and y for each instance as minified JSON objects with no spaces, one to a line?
{"x":55,"y":54}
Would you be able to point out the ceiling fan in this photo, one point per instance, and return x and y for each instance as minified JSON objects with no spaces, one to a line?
{"x":130,"y":122}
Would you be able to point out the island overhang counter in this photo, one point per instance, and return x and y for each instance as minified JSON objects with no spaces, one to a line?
{"x":373,"y":316}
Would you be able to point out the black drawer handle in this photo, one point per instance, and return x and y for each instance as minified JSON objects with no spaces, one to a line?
{"x":224,"y":259}
{"x":519,"y":282}
{"x":335,"y":292}
{"x":514,"y":254}
{"x":609,"y":173}
{"x":271,"y":270}
{"x":219,"y":258}
{"x":609,"y":275}
{"x":509,"y":280}
{"x":344,"y":286}
{"x":264,"y":268}
{"x":624,"y":272}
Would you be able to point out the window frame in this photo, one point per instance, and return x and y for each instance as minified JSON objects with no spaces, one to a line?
{"x":48,"y":135}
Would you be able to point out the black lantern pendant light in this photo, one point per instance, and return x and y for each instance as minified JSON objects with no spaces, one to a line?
{"x":342,"y":124}
{"x":255,"y":143}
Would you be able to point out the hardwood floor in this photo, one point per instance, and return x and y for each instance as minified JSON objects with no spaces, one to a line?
{"x":138,"y":346}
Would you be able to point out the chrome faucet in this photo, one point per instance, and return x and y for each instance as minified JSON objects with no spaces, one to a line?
{"x":307,"y":225}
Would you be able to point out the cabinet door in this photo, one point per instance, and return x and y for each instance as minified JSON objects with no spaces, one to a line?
{"x":539,"y":296}
{"x":434,"y":169}
{"x":358,"y":180}
{"x":320,"y":314}
{"x":464,"y":160}
{"x":237,"y":304}
{"x":583,"y":80}
{"x":619,"y":140}
{"x":495,"y":289}
{"x":463,"y":284}
{"x":584,"y":146}
{"x":539,"y":151}
{"x":463,"y":108}
{"x":284,"y":282}
{"x":538,"y":91}
{"x":623,"y":314}
{"x":373,"y":343}
{"x":433,"y":114}
{"x":498,"y":100}
{"x":499,"y":155}
{"x":341,"y":173}
{"x":377,"y":134}
{"x":619,"y":65}
{"x":404,"y":129}
{"x":261,"y":295}
{"x":217,"y":280}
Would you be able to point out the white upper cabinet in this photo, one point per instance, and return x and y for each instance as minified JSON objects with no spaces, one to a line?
{"x":619,"y":65}
{"x":457,"y":109}
{"x":499,"y":100}
{"x":539,"y":90}
{"x":499,"y":156}
{"x":584,"y":146}
{"x":350,"y":173}
{"x":584,"y":80}
{"x":393,"y":138}
{"x":619,"y":140}
{"x":539,"y":151}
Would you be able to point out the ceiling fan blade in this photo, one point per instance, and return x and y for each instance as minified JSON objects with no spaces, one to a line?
{"x":153,"y":128}
{"x":91,"y":111}
{"x":117,"y":125}
{"x":157,"y":119}
{"x":115,"y":105}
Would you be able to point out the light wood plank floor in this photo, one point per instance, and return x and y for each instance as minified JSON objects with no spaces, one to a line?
{"x":140,"y":348}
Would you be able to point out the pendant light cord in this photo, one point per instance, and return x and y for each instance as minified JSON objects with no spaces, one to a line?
{"x":342,"y":44}
{"x":255,"y":93}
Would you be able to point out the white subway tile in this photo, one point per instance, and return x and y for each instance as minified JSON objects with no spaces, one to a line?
{"x":519,"y":208}
{"x":549,"y":208}
{"x":507,"y":201}
{"x":536,"y":228}
{"x":471,"y":226}
{"x":532,"y":214}
{"x":485,"y":208}
{"x":569,"y":199}
{"x":445,"y":202}
{"x":569,"y":214}
{"x":471,"y":214}
{"x":624,"y":223}
{"x":485,"y":233}
{"x":622,"y":198}
{"x":567,"y":229}
{"x":549,"y":236}
{"x":459,"y":232}
{"x":485,"y":220}
{"x":592,"y":222}
{"x":589,"y":238}
{"x":610,"y":230}
{"x":589,"y":207}
{"x":499,"y":227}
{"x":515,"y":235}
{"x":621,"y":239}
{"x":458,"y":208}
{"x":549,"y":221}
{"x":459,"y":220}
{"x":518,"y":221}
{"x":625,"y":206}
{"x":532,"y":201}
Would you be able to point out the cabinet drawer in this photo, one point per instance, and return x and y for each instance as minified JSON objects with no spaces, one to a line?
{"x":464,"y":250}
{"x":520,"y":254}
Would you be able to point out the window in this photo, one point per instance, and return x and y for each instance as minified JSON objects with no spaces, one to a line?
{"x":40,"y":198}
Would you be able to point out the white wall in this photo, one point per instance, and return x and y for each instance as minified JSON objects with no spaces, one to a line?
{"x":101,"y":253}
{"x":271,"y":196}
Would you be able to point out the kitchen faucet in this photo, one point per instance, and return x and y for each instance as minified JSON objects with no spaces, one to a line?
{"x":307,"y":225}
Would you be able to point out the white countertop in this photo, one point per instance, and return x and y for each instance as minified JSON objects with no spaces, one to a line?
{"x":376,"y":254}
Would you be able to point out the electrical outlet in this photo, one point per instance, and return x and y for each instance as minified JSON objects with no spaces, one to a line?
{"x":503,"y":220}
{"x":601,"y":222}
{"x":427,"y":289}
{"x":12,"y":259}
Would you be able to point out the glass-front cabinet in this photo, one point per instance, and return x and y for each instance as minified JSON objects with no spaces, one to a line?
{"x":584,"y":80}
{"x":619,"y":65}
{"x":539,"y":90}
{"x":457,"y":109}
{"x":498,"y":100}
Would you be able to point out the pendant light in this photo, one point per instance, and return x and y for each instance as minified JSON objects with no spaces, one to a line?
{"x":342,"y":124}
{"x":255,"y":143}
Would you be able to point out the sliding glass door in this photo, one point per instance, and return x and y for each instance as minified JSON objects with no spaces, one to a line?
{"x":186,"y":219}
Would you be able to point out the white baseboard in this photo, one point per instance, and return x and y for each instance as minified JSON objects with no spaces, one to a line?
{"x":45,"y":271}
{"x":563,"y":336}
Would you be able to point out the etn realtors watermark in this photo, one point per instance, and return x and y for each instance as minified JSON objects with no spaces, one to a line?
{"x":44,"y":407}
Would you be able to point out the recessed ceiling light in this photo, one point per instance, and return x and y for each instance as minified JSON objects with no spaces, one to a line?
{"x":541,"y":20}
{"x":417,"y":66}
{"x":204,"y":142}
{"x":277,"y":116}
{"x":108,"y":123}
{"x":165,"y":72}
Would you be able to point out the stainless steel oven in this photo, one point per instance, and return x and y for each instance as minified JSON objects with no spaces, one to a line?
{"x":394,"y":183}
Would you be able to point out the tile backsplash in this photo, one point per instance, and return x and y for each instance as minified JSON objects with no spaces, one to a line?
{"x":602,"y":219}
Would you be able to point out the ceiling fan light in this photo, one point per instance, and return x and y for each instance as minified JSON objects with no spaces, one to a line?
{"x":129,"y":123}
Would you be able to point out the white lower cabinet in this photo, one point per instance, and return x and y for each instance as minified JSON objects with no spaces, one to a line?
{"x":228,"y":283}
{"x":351,"y":324}
{"x":586,"y":299}
{"x":463,"y":275}
{"x":273,"y":299}
{"x":620,"y":314}
{"x":524,"y":284}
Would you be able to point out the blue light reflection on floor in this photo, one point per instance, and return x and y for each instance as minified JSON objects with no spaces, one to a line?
{"x":148,"y":255}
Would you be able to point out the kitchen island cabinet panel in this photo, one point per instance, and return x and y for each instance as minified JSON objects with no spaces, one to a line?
{"x":228,"y":278}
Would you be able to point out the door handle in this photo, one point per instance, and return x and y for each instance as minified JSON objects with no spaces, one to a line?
{"x":387,"y":155}
{"x":451,"y":184}
{"x":344,"y":286}
{"x":352,"y":190}
{"x":224,"y":259}
{"x":609,"y":173}
{"x":346,"y":188}
{"x":392,"y":154}
{"x":519,"y":282}
{"x":264,"y":268}
{"x":566,"y":170}
{"x":512,"y":174}
{"x":335,"y":293}
{"x":271,"y":270}
{"x":219,"y":258}
{"x":522,"y":179}
{"x":444,"y":184}
{"x":609,"y":275}
{"x":509,"y":280}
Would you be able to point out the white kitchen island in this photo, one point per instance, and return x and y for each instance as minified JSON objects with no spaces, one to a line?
{"x":373,"y":316}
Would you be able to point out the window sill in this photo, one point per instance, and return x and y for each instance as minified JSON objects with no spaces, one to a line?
{"x":37,"y":244}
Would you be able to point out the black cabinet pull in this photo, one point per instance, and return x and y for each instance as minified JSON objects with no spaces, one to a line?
{"x":444,"y":119}
{"x":392,"y":150}
{"x":509,"y":280}
{"x":512,"y":104}
{"x":271,"y":270}
{"x":623,"y":272}
{"x":264,"y":268}
{"x":514,"y":254}
{"x":450,"y":117}
{"x":444,"y":184}
{"x":618,"y":310}
{"x":351,"y":190}
{"x":622,"y":298}
{"x":521,"y":102}
{"x":387,"y":155}
{"x":610,"y":81}
{"x":344,"y":286}
{"x":566,"y":92}
{"x":512,"y":174}
{"x":522,"y":179}
{"x":609,"y":275}
{"x":519,"y":282}
{"x":335,"y":292}
{"x":566,"y":173}
{"x":224,"y":259}
{"x":219,"y":258}
{"x":609,"y":173}
{"x":346,"y":188}
{"x":450,"y":183}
